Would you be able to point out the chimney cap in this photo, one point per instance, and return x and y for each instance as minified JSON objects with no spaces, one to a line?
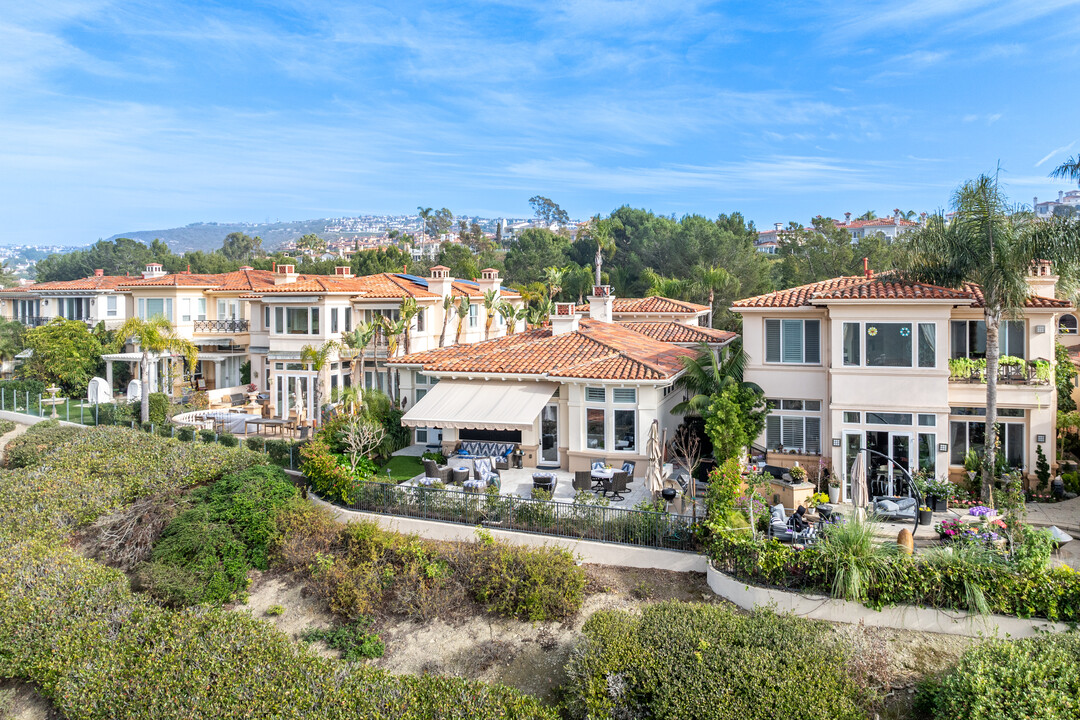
{"x":99,"y":272}
{"x":246,"y":267}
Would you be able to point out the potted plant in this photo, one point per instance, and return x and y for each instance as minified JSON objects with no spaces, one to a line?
{"x":926,"y":515}
{"x":971,"y":465}
{"x":938,"y":491}
{"x":834,"y":490}
{"x":798,"y":474}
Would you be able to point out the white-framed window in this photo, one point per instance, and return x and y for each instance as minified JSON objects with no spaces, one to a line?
{"x":965,"y":435}
{"x":595,"y":428}
{"x":201,"y":315}
{"x":793,"y":341}
{"x":884,"y":418}
{"x":110,"y":306}
{"x":474,"y":315}
{"x":348,"y":319}
{"x":266,"y":318}
{"x":333,"y":320}
{"x":156,"y":307}
{"x":968,"y":338}
{"x":625,"y":430}
{"x":595,"y":395}
{"x":853,"y":417}
{"x":889,"y":344}
{"x":421,"y":317}
{"x":927,"y":420}
{"x":296,"y":320}
{"x":793,"y":425}
{"x":185,"y":309}
{"x":623,"y":395}
{"x":927,"y":345}
{"x":851,"y":343}
{"x":1067,"y":325}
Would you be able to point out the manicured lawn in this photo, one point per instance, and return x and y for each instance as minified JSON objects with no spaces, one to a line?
{"x":401,"y":467}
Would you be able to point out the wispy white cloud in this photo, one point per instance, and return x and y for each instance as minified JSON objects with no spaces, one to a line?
{"x":1056,"y":151}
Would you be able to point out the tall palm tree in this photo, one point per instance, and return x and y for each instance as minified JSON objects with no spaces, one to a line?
{"x":426,"y":215}
{"x":491,"y":299}
{"x":153,"y":337}
{"x":355,"y":344}
{"x":319,"y":359}
{"x":394,"y":330}
{"x":707,"y":374}
{"x":988,"y":244}
{"x":409,"y":310}
{"x":462,"y":312}
{"x":539,"y":313}
{"x":447,"y":306}
{"x":599,"y":229}
{"x":706,"y":279}
{"x":555,"y":277}
{"x":868,"y":215}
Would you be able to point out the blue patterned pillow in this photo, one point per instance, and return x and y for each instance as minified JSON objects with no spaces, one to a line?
{"x":598,"y":465}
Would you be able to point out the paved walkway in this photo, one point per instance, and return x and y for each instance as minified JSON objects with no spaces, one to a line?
{"x":1065,"y":514}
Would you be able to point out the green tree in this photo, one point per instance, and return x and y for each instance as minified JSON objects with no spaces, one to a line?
{"x":491,"y":300}
{"x":1064,"y":376}
{"x":707,"y":374}
{"x":463,"y":306}
{"x":319,"y":359}
{"x":535,"y":250}
{"x":868,"y":215}
{"x":152,"y":337}
{"x":12,"y":339}
{"x":239,"y":246}
{"x":736,"y":416}
{"x":548,"y":212}
{"x":459,"y":259}
{"x":311,"y":244}
{"x":988,"y":244}
{"x":427,"y":220}
{"x":409,"y":310}
{"x":372,"y":262}
{"x":65,"y":353}
{"x":1070,"y":169}
{"x":355,"y":344}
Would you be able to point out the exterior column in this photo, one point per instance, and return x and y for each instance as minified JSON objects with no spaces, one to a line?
{"x":109,"y":373}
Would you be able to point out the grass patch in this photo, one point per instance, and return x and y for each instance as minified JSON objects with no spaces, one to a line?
{"x":401,"y":468}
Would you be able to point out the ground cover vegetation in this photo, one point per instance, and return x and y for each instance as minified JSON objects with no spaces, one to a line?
{"x":125,"y":656}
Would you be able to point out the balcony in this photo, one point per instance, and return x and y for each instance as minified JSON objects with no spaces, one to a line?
{"x":33,"y":321}
{"x":1011,"y":371}
{"x":221,"y":326}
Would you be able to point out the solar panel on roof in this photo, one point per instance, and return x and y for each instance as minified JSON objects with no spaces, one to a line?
{"x":414,"y":278}
{"x":468,"y":282}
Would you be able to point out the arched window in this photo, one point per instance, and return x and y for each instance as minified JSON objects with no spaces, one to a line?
{"x":1067,"y":325}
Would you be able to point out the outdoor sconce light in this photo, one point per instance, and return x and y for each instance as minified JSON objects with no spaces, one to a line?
{"x":943,"y":447}
{"x":836,"y":442}
{"x":1040,"y":328}
{"x":1040,"y":438}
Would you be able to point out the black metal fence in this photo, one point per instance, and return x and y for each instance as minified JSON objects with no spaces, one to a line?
{"x":579,"y":521}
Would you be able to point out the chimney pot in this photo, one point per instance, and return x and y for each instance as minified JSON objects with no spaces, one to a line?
{"x":99,"y":273}
{"x":866,"y":268}
{"x":847,"y":217}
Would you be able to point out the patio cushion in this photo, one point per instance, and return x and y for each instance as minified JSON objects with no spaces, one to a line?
{"x":778,"y":515}
{"x":427,"y":481}
{"x":483,"y":466}
{"x":598,"y":465}
{"x":905,"y":505}
{"x":475,"y":448}
{"x":887,"y":506}
{"x":628,"y":468}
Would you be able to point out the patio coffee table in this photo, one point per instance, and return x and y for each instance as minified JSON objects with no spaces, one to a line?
{"x":461,"y":474}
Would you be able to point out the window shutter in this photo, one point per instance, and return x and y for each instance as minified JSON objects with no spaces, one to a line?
{"x":772,"y":341}
{"x":813,"y":435}
{"x":793,"y":432}
{"x":595,"y":394}
{"x":624,"y":395}
{"x":772,"y":432}
{"x":813,"y":341}
{"x":793,"y":341}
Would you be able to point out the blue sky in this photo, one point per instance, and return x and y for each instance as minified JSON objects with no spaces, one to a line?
{"x":119,"y":116}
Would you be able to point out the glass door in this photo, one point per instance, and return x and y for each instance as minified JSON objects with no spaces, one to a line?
{"x":853,"y":443}
{"x":901,"y":444}
{"x":549,"y":435}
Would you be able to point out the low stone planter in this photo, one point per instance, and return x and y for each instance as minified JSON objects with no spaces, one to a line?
{"x":902,"y":617}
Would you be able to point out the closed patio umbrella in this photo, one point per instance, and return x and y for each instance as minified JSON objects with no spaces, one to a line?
{"x":654,"y":480}
{"x":859,"y":494}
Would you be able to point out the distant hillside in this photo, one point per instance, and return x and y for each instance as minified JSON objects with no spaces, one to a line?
{"x":209,"y":236}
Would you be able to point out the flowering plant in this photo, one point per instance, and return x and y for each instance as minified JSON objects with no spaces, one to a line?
{"x":982,"y":511}
{"x":949,"y":527}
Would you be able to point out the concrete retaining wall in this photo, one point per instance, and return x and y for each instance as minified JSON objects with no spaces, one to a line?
{"x":587,"y":550}
{"x":907,"y":617}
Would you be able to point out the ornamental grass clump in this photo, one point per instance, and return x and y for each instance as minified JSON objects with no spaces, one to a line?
{"x":854,"y":558}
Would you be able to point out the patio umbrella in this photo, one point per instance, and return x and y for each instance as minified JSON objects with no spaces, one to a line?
{"x":858,"y":484}
{"x":654,"y":480}
{"x":298,"y":403}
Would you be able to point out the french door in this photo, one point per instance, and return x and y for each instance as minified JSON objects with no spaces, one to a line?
{"x":549,"y":434}
{"x":293,"y":390}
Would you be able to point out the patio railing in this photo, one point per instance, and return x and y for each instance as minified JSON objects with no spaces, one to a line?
{"x":221,"y":326}
{"x":507,"y":512}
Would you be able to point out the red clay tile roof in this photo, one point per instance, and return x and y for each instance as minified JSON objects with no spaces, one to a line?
{"x":880,"y":287}
{"x":877,"y":222}
{"x":597,"y":350}
{"x":675,"y":332}
{"x":94,"y":282}
{"x":240,"y":278}
{"x":652,"y":305}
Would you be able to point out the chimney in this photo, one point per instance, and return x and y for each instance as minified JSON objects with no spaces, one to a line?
{"x":284,"y":274}
{"x":246,"y":267}
{"x":778,"y":226}
{"x":866,"y":268}
{"x":440,"y":281}
{"x":847,"y":217}
{"x":489,"y":280}
{"x":343,"y":271}
{"x":99,"y":273}
{"x":1061,"y":194}
{"x":1041,"y":280}
{"x":564,"y":319}
{"x":600,"y":303}
{"x":153,"y":270}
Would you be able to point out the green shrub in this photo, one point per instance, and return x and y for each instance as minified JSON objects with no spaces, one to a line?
{"x":1006,"y":680}
{"x":204,"y":555}
{"x":124,"y":658}
{"x":119,"y":413}
{"x":159,"y":408}
{"x":185,"y":434}
{"x":680,"y":660}
{"x":275,"y":610}
{"x":6,"y":426}
{"x":326,"y":473}
{"x":19,"y":391}
{"x":39,"y":439}
{"x":284,"y":453}
{"x":255,"y":443}
{"x":95,"y":471}
{"x":353,"y":640}
{"x":228,"y":440}
{"x":207,"y":436}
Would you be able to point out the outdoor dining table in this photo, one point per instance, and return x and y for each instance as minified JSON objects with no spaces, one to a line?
{"x":276,"y":423}
{"x":599,"y":476}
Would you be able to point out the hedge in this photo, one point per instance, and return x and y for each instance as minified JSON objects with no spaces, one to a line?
{"x":1001,"y":680}
{"x":688,"y":661}
{"x":1051,"y":593}
{"x":6,"y":426}
{"x":30,"y":448}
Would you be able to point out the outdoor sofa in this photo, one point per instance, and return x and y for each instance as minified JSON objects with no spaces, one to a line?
{"x":889,"y":507}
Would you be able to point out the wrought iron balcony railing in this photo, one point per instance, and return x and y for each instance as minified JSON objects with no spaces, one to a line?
{"x":221,"y":326}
